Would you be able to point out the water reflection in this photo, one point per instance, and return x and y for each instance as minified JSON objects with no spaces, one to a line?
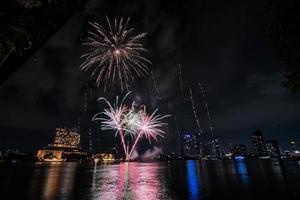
{"x":145,"y":181}
{"x":53,"y":181}
{"x":193,"y":179}
{"x":50,"y":188}
{"x":126,"y":181}
{"x":150,"y":181}
{"x":242,"y":172}
{"x":278,"y":173}
{"x":104,"y":182}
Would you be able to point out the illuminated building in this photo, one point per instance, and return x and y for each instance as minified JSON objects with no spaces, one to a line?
{"x":272,"y":148}
{"x":104,"y":157}
{"x":216,"y":149}
{"x":190,"y":146}
{"x":239,"y":150}
{"x":65,"y":146}
{"x":66,"y":138}
{"x":259,"y":144}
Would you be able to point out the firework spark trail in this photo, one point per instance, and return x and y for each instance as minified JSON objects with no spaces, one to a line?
{"x":115,"y":53}
{"x":195,"y":114}
{"x":150,"y":127}
{"x":113,"y":121}
{"x":133,"y":146}
{"x":180,"y":77}
{"x":178,"y":133}
{"x":154,"y":82}
{"x":114,"y":118}
{"x":207,"y":110}
{"x":136,"y":122}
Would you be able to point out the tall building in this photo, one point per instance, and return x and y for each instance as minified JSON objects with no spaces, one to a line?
{"x":259,"y":144}
{"x":190,"y":146}
{"x":216,"y":148}
{"x":66,"y":138}
{"x":272,"y":148}
{"x":293,"y":146}
{"x":65,"y":146}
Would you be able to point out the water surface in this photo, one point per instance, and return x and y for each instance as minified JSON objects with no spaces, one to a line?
{"x":253,"y":179}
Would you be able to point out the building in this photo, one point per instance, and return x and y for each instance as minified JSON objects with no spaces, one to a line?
{"x":295,"y":151}
{"x":66,"y":138}
{"x":252,"y":152}
{"x":65,"y":146}
{"x":190,"y":147}
{"x":204,"y":150}
{"x":272,"y":148}
{"x":239,"y":150}
{"x":258,"y":141}
{"x":103,"y":157}
{"x":293,"y":146}
{"x":216,"y":148}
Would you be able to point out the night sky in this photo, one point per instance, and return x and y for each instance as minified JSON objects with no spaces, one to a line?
{"x":221,"y":44}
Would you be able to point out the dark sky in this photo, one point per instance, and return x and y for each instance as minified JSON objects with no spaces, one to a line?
{"x":221,"y":44}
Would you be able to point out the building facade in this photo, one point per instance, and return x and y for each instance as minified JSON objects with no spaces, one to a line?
{"x":239,"y":150}
{"x":65,"y":146}
{"x":190,"y":145}
{"x":259,"y":145}
{"x":272,"y":148}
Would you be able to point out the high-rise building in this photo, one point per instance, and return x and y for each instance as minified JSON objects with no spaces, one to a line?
{"x":66,"y":138}
{"x":272,"y":148}
{"x":65,"y":146}
{"x":259,"y":144}
{"x":190,"y":146}
{"x":88,"y":127}
{"x":216,"y":148}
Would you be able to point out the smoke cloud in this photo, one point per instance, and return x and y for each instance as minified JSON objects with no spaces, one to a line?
{"x":151,"y":154}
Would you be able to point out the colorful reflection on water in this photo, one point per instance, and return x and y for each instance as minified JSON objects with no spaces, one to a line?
{"x":192,"y":180}
{"x":242,"y":172}
{"x":126,"y":181}
{"x":53,"y":181}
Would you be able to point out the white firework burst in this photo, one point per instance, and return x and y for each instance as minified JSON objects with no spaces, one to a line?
{"x":115,"y":55}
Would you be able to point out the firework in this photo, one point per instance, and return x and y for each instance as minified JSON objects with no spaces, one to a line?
{"x":207,"y":110}
{"x":178,"y":133}
{"x":136,"y":122}
{"x":114,"y":118}
{"x":180,"y":77}
{"x":131,"y":119}
{"x":149,"y":126}
{"x":195,"y":114}
{"x":115,"y":54}
{"x":154,"y":82}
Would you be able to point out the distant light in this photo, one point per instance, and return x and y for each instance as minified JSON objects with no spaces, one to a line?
{"x":187,"y":136}
{"x":239,"y":158}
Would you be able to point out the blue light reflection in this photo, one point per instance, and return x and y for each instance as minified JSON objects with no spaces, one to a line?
{"x":242,"y":172}
{"x":193,"y":180}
